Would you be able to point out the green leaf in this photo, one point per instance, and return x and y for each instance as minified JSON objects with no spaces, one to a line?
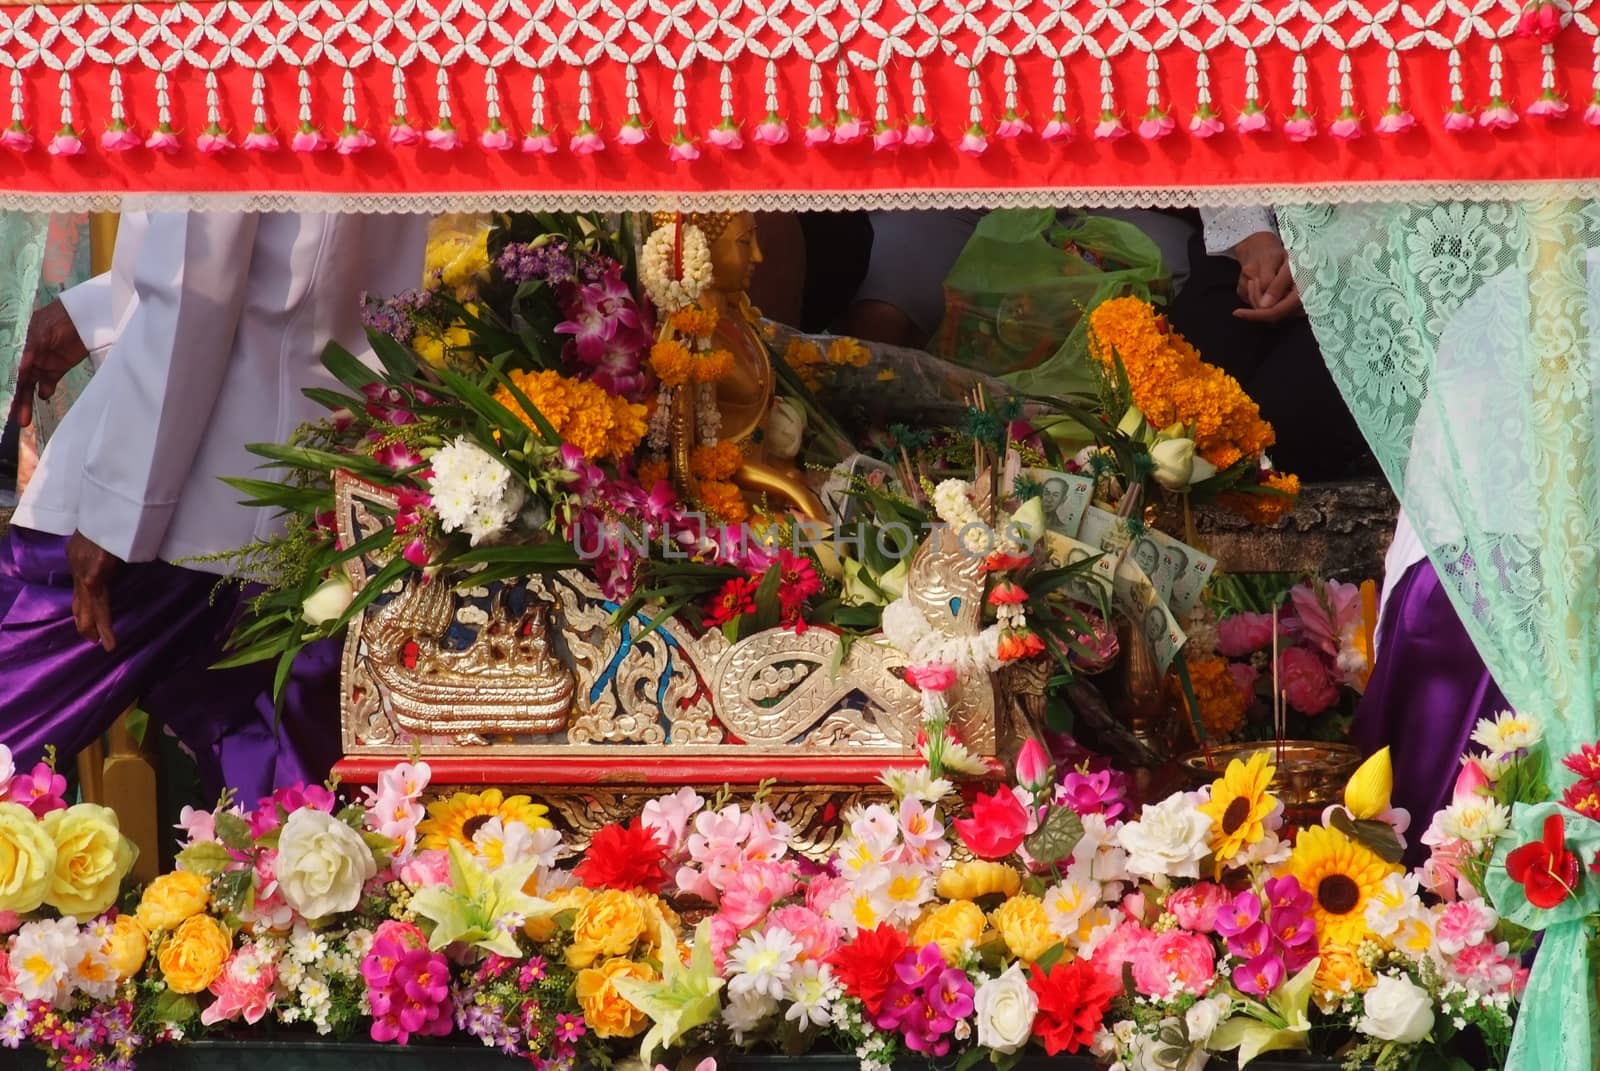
{"x":234,"y":831}
{"x":397,"y":360}
{"x":267,"y":494}
{"x":346,"y":369}
{"x":382,"y":847}
{"x":376,"y":584}
{"x":1056,"y":836}
{"x":207,"y":858}
{"x":333,"y":400}
{"x":1378,"y":836}
{"x":353,"y":816}
{"x":768,"y":609}
{"x":170,"y":1007}
{"x":1051,"y":957}
{"x":320,"y":461}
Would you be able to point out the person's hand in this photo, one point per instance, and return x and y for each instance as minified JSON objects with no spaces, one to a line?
{"x":1265,"y":284}
{"x":50,"y":351}
{"x":92,"y":569}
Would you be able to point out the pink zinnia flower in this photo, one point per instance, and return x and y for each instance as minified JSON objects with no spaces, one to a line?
{"x":1464,"y":923}
{"x":1498,"y":116}
{"x":1059,"y":128}
{"x":772,"y":131}
{"x":847,"y":129}
{"x":162,"y":139}
{"x":631,"y":133}
{"x":353,"y":140}
{"x":1205,"y":123}
{"x":919,"y":133}
{"x":1156,"y":124}
{"x":1012,"y":126}
{"x":65,"y":143}
{"x":402,"y":132}
{"x":1396,"y":121}
{"x":886,"y":137}
{"x":817,"y":133}
{"x":119,"y":138}
{"x":213,"y":140}
{"x":682,"y":150}
{"x":309,"y":139}
{"x":496,"y":139}
{"x":725,"y":135}
{"x":1347,"y":127}
{"x":1110,"y":127}
{"x":539,"y":141}
{"x":1548,"y":106}
{"x":1252,"y":121}
{"x":586,"y":141}
{"x":1243,"y":634}
{"x":443,"y":137}
{"x":1300,"y":126}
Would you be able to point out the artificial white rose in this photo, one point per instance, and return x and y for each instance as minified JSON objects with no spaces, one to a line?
{"x":1005,"y":1009}
{"x":329,"y":601}
{"x":1201,"y":1020}
{"x":786,"y":426}
{"x":322,"y":864}
{"x":1168,"y":841}
{"x":1396,"y":1009}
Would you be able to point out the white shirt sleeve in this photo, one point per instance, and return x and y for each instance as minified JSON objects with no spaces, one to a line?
{"x":91,"y":309}
{"x":164,"y":371}
{"x":1225,"y":228}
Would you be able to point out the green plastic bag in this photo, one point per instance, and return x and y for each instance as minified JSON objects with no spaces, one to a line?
{"x":1017,"y":298}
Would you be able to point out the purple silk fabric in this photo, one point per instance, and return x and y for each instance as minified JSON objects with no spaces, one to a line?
{"x":170,"y":623}
{"x":1428,"y":689}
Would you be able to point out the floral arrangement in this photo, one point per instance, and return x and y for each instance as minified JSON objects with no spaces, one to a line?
{"x":1192,"y":428}
{"x":1077,"y":923}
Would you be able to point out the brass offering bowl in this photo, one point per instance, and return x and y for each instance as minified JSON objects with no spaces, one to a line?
{"x":1310,"y":776}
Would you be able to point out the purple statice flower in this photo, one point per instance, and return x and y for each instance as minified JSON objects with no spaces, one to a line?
{"x":397,"y":316}
{"x":525,"y":262}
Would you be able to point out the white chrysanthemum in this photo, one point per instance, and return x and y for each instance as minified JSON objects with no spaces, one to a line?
{"x":43,"y":955}
{"x":958,"y":759}
{"x":812,"y":992}
{"x":1508,"y":733}
{"x":763,"y":963}
{"x":746,"y":1012}
{"x":952,"y":501}
{"x":307,"y":945}
{"x":1476,"y":821}
{"x":314,"y":993}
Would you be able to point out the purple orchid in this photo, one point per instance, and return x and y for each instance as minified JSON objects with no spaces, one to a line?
{"x":1092,"y":792}
{"x":595,"y":311}
{"x":1260,"y":976}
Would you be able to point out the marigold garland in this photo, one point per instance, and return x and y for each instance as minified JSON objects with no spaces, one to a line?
{"x":671,"y":362}
{"x":1265,"y":509}
{"x":712,"y":367}
{"x":1222,"y":704}
{"x":582,"y":413}
{"x":717,"y":462}
{"x":652,"y":473}
{"x":1172,"y":385}
{"x":696,"y":321}
{"x":724,"y":501}
{"x":805,"y":357}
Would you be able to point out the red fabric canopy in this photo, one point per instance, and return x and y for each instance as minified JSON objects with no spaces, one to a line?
{"x":432,"y":104}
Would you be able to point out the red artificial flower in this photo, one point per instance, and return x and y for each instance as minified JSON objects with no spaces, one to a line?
{"x":624,"y":858}
{"x":1073,"y":998}
{"x":999,"y":822}
{"x":1001,"y":562}
{"x":738,"y":596}
{"x":1546,"y":870}
{"x":1585,"y":762}
{"x":865,"y":966}
{"x":797,"y":582}
{"x":1007,"y":593}
{"x":1583,"y":797}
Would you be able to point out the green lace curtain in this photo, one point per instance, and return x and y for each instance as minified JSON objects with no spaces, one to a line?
{"x":1464,"y":338}
{"x":43,"y":255}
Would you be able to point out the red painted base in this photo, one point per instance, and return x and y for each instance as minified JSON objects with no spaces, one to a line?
{"x":664,"y":770}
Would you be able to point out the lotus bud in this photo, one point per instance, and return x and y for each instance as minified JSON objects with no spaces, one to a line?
{"x":1366,"y":796}
{"x":1471,"y":782}
{"x":329,"y":602}
{"x":1133,"y":424}
{"x":1174,"y":463}
{"x":1034,"y":770}
{"x":1027,"y":524}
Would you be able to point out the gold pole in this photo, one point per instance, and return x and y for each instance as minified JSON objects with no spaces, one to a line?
{"x":102,"y":240}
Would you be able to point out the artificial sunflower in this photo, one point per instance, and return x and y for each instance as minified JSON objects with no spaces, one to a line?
{"x":463,"y":814}
{"x":1342,"y":877}
{"x":1239,"y":807}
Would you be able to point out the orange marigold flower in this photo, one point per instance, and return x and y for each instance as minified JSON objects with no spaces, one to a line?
{"x":847,"y":351}
{"x":712,"y":367}
{"x":652,"y":473}
{"x":724,"y":501}
{"x":671,"y":362}
{"x":581,"y":413}
{"x":1222,"y":703}
{"x":1265,"y":509}
{"x":717,"y":462}
{"x":695,"y":322}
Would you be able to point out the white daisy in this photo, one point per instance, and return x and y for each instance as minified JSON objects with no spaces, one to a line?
{"x":763,"y":963}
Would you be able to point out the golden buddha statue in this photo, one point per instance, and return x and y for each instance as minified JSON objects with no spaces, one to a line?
{"x":746,"y":397}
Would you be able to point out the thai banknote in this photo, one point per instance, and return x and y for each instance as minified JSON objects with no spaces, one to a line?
{"x":1065,"y":497}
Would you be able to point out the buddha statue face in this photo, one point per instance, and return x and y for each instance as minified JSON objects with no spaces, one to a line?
{"x":735,"y":254}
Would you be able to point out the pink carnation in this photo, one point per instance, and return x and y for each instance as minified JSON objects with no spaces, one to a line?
{"x":1457,"y":120}
{"x":309,"y":139}
{"x":1252,"y":121}
{"x":817,"y":133}
{"x":425,"y":868}
{"x":403,"y":133}
{"x":444,"y":138}
{"x":1497,"y":116}
{"x":244,"y":989}
{"x":1488,"y":968}
{"x":931,"y":676}
{"x":1244,"y":679}
{"x":1059,"y":128}
{"x":919,"y":133}
{"x":752,"y":890}
{"x":261,"y":140}
{"x":162,"y":139}
{"x":1174,"y":962}
{"x":823,"y":892}
{"x":1243,"y":634}
{"x":1463,"y":923}
{"x":974,"y":142}
{"x":1396,"y":121}
{"x":1347,"y":127}
{"x":848,"y":129}
{"x":1306,"y":682}
{"x":725,"y":135}
{"x":65,"y":143}
{"x":1205,"y":123}
{"x":1012,"y":126}
{"x":213,"y":140}
{"x":631,"y":133}
{"x":1156,"y":124}
{"x":119,"y":139}
{"x":1196,"y":906}
{"x":1125,"y":944}
{"x":772,"y":131}
{"x":353,"y":140}
{"x":682,"y":150}
{"x":886,"y":137}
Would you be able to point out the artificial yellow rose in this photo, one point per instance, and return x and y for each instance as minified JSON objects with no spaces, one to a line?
{"x":92,"y":858}
{"x":127,"y":946}
{"x":1023,"y":923}
{"x":171,"y":899}
{"x":193,"y":956}
{"x":607,"y":925}
{"x":657,"y":911}
{"x":953,"y":927}
{"x":1339,"y":972}
{"x":969,"y":881}
{"x":542,"y":929}
{"x":27,"y":859}
{"x":607,"y":1014}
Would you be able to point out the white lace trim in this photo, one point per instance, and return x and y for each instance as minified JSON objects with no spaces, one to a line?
{"x":805,"y":201}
